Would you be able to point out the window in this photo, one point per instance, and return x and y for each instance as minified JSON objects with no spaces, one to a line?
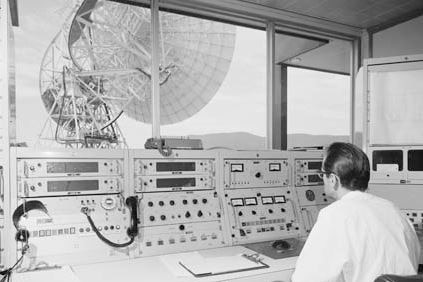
{"x":315,"y":82}
{"x":318,"y":107}
{"x":222,"y":99}
{"x":212,"y":80}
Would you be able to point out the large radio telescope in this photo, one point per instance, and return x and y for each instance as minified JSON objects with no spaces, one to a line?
{"x":108,"y":54}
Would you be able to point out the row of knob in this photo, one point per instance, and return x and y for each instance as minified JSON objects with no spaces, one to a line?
{"x":172,"y":202}
{"x":253,"y":212}
{"x":187,"y":215}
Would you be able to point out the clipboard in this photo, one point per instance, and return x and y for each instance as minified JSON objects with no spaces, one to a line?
{"x":201,"y":268}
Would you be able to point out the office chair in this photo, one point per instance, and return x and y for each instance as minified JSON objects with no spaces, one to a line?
{"x":396,"y":278}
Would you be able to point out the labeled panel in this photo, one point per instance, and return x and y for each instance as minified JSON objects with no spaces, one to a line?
{"x":158,"y":240}
{"x":261,"y":215}
{"x":69,"y":167}
{"x":247,"y":173}
{"x":65,"y":235}
{"x":173,"y":183}
{"x":36,"y":187}
{"x":173,"y":166}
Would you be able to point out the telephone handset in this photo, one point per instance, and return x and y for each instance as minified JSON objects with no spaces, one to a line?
{"x":132,"y":231}
{"x":132,"y":203}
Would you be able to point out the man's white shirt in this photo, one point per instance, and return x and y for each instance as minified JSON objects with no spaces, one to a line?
{"x":356,"y":239}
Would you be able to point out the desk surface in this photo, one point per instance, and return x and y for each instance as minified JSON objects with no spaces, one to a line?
{"x":166,"y":268}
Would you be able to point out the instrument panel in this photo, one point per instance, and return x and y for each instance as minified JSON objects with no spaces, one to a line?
{"x":246,"y":173}
{"x":189,"y":201}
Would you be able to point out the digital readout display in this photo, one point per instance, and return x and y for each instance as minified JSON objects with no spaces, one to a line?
{"x":280,"y":199}
{"x":314,"y":165}
{"x":72,"y":167}
{"x":314,"y":178}
{"x":175,"y":166}
{"x":275,"y":167}
{"x":237,"y":167}
{"x":72,"y":185}
{"x":237,"y":202}
{"x":175,"y":182}
{"x":267,"y":200}
{"x":250,"y":201}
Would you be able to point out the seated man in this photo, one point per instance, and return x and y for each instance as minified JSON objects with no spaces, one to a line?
{"x":359,"y":236}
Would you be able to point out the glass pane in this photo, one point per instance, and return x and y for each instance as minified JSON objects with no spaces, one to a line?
{"x":316,"y":82}
{"x":318,"y":107}
{"x":216,"y":87}
{"x":79,"y":72}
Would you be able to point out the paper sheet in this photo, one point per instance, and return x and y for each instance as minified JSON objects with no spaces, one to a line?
{"x":63,"y":274}
{"x":172,"y":264}
{"x":200,"y":265}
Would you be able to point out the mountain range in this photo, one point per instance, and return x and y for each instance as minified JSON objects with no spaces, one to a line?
{"x":248,"y":141}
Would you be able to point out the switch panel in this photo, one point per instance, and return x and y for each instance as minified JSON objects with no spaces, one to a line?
{"x":309,"y":215}
{"x":261,"y":215}
{"x":157,"y":209}
{"x":312,"y":195}
{"x":415,"y":217}
{"x":66,"y":237}
{"x":184,"y":237}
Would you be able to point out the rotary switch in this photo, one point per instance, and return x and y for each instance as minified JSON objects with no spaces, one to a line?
{"x":310,"y":195}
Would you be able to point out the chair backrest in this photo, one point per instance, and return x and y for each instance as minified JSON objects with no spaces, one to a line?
{"x":396,"y":278}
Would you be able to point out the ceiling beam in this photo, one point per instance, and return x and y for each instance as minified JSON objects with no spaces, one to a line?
{"x":13,"y":5}
{"x":395,"y":21}
{"x":260,"y":13}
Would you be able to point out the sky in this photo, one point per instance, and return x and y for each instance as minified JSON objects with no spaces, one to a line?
{"x":238,"y":106}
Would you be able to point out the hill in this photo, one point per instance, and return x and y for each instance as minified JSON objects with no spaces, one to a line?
{"x":248,"y":141}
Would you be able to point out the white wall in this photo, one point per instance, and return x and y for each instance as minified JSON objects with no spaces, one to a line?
{"x":402,"y":39}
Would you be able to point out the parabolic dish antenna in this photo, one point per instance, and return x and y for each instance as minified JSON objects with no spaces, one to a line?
{"x":78,"y":108}
{"x":114,"y":40}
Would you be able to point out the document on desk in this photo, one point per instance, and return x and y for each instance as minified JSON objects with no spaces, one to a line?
{"x":62,"y":274}
{"x":200,"y":266}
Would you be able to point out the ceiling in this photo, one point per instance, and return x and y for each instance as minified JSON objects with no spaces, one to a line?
{"x":335,"y":55}
{"x":331,"y":55}
{"x":367,"y":14}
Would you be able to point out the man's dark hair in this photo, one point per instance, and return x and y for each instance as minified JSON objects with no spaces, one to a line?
{"x":350,"y":164}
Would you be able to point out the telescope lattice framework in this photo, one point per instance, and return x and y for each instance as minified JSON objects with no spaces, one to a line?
{"x":195,"y":56}
{"x":99,"y":66}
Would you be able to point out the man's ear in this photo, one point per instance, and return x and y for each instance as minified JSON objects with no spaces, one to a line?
{"x":334,"y":181}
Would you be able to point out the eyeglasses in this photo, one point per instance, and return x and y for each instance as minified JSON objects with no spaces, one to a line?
{"x":321,"y":173}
